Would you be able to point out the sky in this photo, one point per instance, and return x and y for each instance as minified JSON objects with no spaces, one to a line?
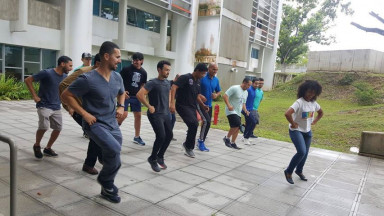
{"x":350,"y":37}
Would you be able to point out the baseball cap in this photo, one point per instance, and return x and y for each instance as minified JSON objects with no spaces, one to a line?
{"x":86,"y":55}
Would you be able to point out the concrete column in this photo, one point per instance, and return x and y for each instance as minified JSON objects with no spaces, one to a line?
{"x":20,"y":25}
{"x":185,"y":43}
{"x":122,"y":23}
{"x":78,"y":29}
{"x":162,"y":46}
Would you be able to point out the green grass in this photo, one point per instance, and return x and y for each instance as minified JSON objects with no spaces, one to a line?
{"x":339,"y":129}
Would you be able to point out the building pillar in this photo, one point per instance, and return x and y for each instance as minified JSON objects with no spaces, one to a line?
{"x":76,"y":29}
{"x":20,"y":25}
{"x":122,"y":24}
{"x":162,"y":46}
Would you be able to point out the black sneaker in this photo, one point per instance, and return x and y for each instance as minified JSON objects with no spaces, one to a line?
{"x":161,"y":163}
{"x":37,"y":152}
{"x":234,"y":146}
{"x":188,"y":152}
{"x":227,"y":142}
{"x":110,"y":194}
{"x":50,"y":152}
{"x":253,"y":136}
{"x":153,"y":164}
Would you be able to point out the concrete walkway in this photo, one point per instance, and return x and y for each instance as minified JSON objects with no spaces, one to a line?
{"x":223,"y":181}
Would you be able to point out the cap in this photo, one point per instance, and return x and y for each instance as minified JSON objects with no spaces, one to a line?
{"x":86,"y":55}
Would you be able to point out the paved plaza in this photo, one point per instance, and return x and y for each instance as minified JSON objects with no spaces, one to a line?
{"x":223,"y":181}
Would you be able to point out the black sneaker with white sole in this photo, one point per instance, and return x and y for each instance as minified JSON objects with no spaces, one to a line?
{"x":110,"y":194}
{"x":227,"y":142}
{"x":235,"y":146}
{"x":153,"y":164}
{"x":50,"y":152}
{"x":37,"y":152}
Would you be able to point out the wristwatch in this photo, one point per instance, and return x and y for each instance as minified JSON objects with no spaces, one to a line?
{"x":119,"y":105}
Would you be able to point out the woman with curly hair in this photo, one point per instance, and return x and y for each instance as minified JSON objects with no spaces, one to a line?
{"x":301,"y":115}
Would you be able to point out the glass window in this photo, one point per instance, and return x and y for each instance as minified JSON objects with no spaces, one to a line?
{"x":49,"y":59}
{"x":255,"y":53}
{"x":31,"y":68}
{"x":131,"y":16}
{"x":32,"y":54}
{"x":96,"y":7}
{"x":13,"y":56}
{"x":140,"y":19}
{"x":110,"y":10}
{"x":156,"y":25}
{"x":149,"y":20}
{"x":13,"y":72}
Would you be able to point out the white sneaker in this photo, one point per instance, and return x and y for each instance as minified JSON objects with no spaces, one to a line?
{"x":246,"y":141}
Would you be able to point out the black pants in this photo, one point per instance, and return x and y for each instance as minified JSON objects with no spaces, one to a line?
{"x":162,"y":126}
{"x":206,"y":123}
{"x":188,"y":114}
{"x":94,"y":151}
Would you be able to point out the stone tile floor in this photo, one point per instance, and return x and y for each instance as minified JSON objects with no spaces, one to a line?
{"x":223,"y":181}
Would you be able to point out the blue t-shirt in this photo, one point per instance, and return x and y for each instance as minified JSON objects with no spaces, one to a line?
{"x":99,"y":95}
{"x":258,"y":98}
{"x":49,"y":88}
{"x":250,"y":98}
{"x":209,"y":86}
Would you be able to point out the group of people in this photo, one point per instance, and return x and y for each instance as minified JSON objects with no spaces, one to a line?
{"x":98,"y":98}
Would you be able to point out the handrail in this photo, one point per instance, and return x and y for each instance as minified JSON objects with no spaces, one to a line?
{"x":13,"y":160}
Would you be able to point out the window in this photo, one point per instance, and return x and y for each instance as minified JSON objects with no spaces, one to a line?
{"x":13,"y":61}
{"x":144,"y":20}
{"x":96,"y":7}
{"x":255,"y":53}
{"x":31,"y":61}
{"x":48,"y":58}
{"x":106,"y":8}
{"x":169,"y":28}
{"x":19,"y":62}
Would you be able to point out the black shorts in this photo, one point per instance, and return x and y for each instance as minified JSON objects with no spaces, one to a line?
{"x":234,"y":120}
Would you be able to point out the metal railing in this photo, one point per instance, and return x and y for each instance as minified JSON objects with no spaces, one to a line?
{"x":13,"y":160}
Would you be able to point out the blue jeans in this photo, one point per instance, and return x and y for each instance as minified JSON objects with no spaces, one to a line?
{"x":302,"y":142}
{"x":250,"y":124}
{"x":109,"y":140}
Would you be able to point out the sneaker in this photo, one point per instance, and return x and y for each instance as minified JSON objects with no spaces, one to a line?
{"x":153,"y":164}
{"x":110,"y":194}
{"x":201,"y":145}
{"x":242,"y":128}
{"x":37,"y":152}
{"x":50,"y":152}
{"x":246,"y":141}
{"x":253,"y":136}
{"x":161,"y":163}
{"x":188,"y":152}
{"x":227,"y":142}
{"x":138,"y":141}
{"x":90,"y":170}
{"x":234,"y":146}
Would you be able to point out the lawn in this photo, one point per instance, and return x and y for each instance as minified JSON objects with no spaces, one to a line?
{"x":339,"y":129}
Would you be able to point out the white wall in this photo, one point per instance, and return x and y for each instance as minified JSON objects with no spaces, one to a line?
{"x":35,"y":36}
{"x":207,"y":35}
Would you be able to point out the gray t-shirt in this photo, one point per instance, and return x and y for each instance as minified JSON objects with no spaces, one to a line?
{"x":49,"y":88}
{"x":99,"y":95}
{"x":158,"y":95}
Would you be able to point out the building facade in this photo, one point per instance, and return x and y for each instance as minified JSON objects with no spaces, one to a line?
{"x":240,"y":35}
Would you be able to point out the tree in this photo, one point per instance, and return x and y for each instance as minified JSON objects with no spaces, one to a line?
{"x":305,"y":21}
{"x":374,"y":30}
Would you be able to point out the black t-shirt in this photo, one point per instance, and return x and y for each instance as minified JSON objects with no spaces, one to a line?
{"x":133,"y":79}
{"x":188,"y":90}
{"x":158,"y":95}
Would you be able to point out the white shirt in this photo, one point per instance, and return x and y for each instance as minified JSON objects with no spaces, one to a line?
{"x":304,"y":114}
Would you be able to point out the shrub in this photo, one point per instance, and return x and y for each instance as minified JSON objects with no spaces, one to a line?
{"x":365,"y":94}
{"x":348,"y":79}
{"x":11,"y":89}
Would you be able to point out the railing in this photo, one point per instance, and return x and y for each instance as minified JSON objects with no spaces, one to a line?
{"x":13,"y":160}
